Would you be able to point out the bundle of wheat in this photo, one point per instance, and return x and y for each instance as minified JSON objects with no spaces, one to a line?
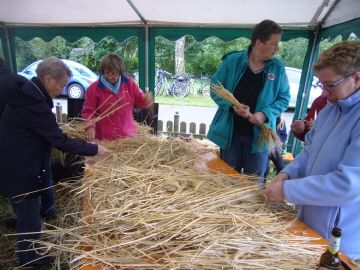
{"x":147,"y":208}
{"x":267,"y":136}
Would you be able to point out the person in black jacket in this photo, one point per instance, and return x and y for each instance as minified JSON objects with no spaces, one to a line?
{"x":9,"y":81}
{"x":28,"y":131}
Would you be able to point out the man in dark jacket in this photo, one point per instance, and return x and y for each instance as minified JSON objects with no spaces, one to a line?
{"x":9,"y":81}
{"x":28,"y":131}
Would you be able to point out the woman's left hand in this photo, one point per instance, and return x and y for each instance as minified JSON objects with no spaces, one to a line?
{"x":275,"y":191}
{"x":257,"y":118}
{"x":148,"y":98}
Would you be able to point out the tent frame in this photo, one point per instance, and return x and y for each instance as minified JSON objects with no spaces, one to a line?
{"x":146,"y":35}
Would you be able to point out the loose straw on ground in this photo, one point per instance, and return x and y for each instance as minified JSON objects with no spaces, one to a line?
{"x":267,"y":135}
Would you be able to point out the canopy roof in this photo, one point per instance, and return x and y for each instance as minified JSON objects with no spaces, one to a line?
{"x":303,"y":14}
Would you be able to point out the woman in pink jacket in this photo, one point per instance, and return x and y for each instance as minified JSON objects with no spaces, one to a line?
{"x":113,"y":89}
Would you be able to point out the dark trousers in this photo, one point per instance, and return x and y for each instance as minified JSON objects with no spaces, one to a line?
{"x":240,"y":158}
{"x":47,"y":195}
{"x":28,"y":220}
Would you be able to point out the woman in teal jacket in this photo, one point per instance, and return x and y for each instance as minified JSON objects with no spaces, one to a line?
{"x":323,"y":180}
{"x":257,"y":80}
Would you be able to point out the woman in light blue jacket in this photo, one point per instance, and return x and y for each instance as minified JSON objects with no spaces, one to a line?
{"x":325,"y":177}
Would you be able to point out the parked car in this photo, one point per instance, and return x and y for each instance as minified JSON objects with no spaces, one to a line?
{"x":294,"y":75}
{"x":81,"y":78}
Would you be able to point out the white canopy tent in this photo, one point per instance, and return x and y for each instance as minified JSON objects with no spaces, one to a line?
{"x":146,"y":19}
{"x":304,"y":14}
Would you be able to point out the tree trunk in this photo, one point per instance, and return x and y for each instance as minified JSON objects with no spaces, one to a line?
{"x":180,"y":56}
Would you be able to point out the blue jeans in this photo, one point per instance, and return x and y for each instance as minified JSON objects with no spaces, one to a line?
{"x":28,"y":220}
{"x":240,"y":158}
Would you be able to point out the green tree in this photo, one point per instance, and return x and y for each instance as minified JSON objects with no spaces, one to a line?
{"x":84,"y":51}
{"x":292,"y":53}
{"x":36,"y":49}
{"x":327,"y":43}
{"x":89,"y":53}
{"x":204,"y":57}
{"x":165,"y":54}
{"x":24,"y":53}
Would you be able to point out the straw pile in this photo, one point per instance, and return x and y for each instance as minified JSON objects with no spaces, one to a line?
{"x":267,"y":136}
{"x":148,"y":208}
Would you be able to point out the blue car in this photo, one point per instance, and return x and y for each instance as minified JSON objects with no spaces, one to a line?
{"x":81,"y":78}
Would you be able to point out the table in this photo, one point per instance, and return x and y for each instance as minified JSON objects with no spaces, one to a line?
{"x":211,"y":161}
{"x":288,"y":157}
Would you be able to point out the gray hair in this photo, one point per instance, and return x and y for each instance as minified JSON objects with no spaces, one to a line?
{"x":53,"y":66}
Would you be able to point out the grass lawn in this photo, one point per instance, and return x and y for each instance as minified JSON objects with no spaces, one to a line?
{"x":192,"y":99}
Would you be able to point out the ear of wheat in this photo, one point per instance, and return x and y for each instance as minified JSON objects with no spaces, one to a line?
{"x":267,"y":135}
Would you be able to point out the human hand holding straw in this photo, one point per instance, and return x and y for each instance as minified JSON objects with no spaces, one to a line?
{"x":267,"y":134}
{"x":257,"y":118}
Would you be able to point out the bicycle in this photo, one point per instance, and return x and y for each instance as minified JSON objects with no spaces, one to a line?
{"x":179,"y":87}
{"x":161,"y":81}
{"x":204,"y":87}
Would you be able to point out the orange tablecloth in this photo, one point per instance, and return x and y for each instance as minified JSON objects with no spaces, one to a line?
{"x":211,"y":161}
{"x":288,"y":157}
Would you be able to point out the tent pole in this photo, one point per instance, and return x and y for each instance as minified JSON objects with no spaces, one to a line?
{"x":146,"y":59}
{"x":303,"y":108}
{"x":295,"y":145}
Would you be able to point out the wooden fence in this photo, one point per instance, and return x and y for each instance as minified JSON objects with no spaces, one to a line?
{"x":180,"y":128}
{"x":173,"y":128}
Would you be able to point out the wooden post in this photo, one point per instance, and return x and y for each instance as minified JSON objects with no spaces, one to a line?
{"x":176,"y":121}
{"x":58,"y":112}
{"x":182,"y":127}
{"x":192,"y":128}
{"x":169,"y":126}
{"x":202,"y":129}
{"x":160,"y":126}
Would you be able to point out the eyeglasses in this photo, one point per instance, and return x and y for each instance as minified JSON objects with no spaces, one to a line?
{"x":330,"y":87}
{"x":111,"y":73}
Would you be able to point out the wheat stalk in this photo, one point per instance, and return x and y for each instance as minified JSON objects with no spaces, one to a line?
{"x":147,"y":207}
{"x":267,"y":135}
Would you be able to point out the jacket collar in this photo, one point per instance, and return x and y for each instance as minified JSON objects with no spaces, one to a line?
{"x":267,"y":63}
{"x":350,"y":101}
{"x":124,"y":80}
{"x":43,"y":94}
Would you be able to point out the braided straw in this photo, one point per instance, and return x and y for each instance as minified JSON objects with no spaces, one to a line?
{"x":267,"y":135}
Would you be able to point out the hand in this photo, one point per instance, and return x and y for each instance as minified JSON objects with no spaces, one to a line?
{"x":275,"y":191}
{"x":90,"y":134}
{"x":148,"y":98}
{"x":244,"y":112}
{"x":298,"y":126}
{"x":281,"y":176}
{"x":257,"y":118}
{"x":310,"y":124}
{"x":102,"y":150}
